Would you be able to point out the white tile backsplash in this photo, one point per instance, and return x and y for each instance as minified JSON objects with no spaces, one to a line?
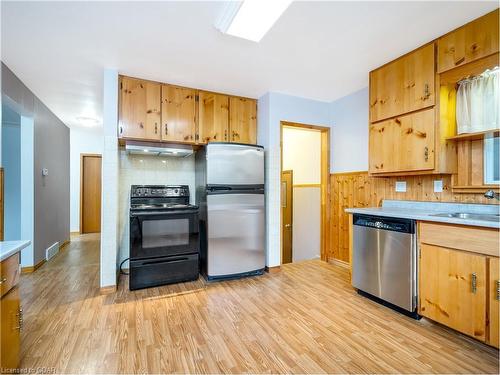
{"x":149,"y":170}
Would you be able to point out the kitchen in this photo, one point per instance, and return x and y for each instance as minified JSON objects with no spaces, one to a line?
{"x":196,"y":172}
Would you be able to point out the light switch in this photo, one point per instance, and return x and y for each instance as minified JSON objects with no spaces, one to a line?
{"x":45,"y":172}
{"x":438,"y":186}
{"x":401,"y":186}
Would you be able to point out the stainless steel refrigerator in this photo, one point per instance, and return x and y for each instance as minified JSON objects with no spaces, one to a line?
{"x":230,"y":194}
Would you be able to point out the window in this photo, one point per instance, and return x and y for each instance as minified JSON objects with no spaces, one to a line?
{"x":492,"y":160}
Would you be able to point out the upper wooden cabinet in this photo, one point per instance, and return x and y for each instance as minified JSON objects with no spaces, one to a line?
{"x":243,"y":120}
{"x":470,"y":42}
{"x":213,"y":122}
{"x":404,"y":85}
{"x":404,"y":143}
{"x":178,"y":114}
{"x":159,"y":112}
{"x":139,"y":109}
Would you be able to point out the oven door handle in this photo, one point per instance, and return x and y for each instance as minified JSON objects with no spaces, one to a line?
{"x":156,"y":213}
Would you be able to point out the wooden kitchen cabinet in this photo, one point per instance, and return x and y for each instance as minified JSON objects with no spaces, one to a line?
{"x":213,"y":122}
{"x":494,"y":297}
{"x":11,"y":313}
{"x":178,"y":114}
{"x":470,"y":42}
{"x":139,"y":109}
{"x":404,"y":85}
{"x":242,"y":120}
{"x":452,"y":289}
{"x":404,"y":143}
{"x":10,"y":329}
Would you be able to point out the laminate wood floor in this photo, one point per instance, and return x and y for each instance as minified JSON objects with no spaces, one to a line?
{"x":304,"y":319}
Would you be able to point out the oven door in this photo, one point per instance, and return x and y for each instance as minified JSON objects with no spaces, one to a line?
{"x":155,"y":235}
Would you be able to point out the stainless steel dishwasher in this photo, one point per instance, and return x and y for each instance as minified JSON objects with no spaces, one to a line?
{"x":384,"y":261}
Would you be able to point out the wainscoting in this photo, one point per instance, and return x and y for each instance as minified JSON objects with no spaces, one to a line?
{"x":357,"y":189}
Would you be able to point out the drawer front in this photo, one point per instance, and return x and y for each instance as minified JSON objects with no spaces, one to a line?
{"x":473,"y":239}
{"x":161,"y":271}
{"x":10,"y":330}
{"x":9,"y":273}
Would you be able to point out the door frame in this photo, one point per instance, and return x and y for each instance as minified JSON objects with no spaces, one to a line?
{"x":82,"y":156}
{"x":325,"y":184}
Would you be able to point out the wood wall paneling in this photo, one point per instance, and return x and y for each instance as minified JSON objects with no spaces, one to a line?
{"x":1,"y":203}
{"x":358,"y":189}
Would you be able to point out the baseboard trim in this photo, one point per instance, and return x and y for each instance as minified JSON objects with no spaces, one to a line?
{"x":31,"y":269}
{"x":273,"y":269}
{"x":340,"y":263}
{"x":64,"y":245}
{"x":107,"y":289}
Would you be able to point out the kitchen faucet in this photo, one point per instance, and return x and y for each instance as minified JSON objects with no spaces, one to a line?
{"x":490,"y":194}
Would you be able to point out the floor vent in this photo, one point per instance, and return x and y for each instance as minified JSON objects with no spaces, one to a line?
{"x":51,"y":251}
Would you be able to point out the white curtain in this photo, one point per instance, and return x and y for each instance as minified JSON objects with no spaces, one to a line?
{"x":477,"y":103}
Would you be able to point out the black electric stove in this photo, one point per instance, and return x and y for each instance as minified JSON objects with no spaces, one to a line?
{"x":164,"y":236}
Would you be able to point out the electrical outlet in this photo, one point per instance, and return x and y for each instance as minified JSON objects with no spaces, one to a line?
{"x":438,"y":186}
{"x":401,"y":186}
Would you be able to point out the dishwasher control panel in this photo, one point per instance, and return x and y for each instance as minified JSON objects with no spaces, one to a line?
{"x":386,"y":223}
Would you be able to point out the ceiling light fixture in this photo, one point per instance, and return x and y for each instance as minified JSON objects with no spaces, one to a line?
{"x":251,"y":19}
{"x":87,"y":121}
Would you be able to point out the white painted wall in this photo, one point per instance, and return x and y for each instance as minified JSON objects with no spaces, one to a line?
{"x":109,"y":207}
{"x":28,"y":189}
{"x":306,"y":235}
{"x":302,"y":154}
{"x":349,"y":138}
{"x":82,"y":141}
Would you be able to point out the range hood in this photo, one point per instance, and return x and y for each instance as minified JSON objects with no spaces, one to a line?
{"x":158,"y":149}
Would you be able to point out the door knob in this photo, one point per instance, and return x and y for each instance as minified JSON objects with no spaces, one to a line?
{"x":288,"y":225}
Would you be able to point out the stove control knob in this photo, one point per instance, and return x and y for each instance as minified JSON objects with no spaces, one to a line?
{"x":176,"y":191}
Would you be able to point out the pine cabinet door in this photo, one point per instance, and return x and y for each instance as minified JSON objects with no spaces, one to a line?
{"x":213,"y":123}
{"x":139,"y":113}
{"x":452,"y":289}
{"x":403,"y":144}
{"x":178,"y":113}
{"x":468,"y":43}
{"x":494,"y":296}
{"x":10,"y":329}
{"x":404,"y":85}
{"x":242,"y":120}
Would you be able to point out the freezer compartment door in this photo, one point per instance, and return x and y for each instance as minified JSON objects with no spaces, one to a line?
{"x":235,"y":234}
{"x":233,"y":164}
{"x":383,"y":265}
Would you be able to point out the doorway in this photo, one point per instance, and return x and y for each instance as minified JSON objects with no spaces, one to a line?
{"x":305,"y":151}
{"x":90,"y":193}
{"x":287,"y":215}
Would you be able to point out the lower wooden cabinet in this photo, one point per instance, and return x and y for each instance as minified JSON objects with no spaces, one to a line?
{"x":459,"y":278}
{"x":10,"y":329}
{"x":494,"y":297}
{"x":453,"y":289}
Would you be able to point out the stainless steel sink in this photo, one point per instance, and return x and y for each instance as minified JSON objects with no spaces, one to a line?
{"x":470,"y":216}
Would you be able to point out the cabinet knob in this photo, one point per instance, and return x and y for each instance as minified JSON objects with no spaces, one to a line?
{"x":3,"y":280}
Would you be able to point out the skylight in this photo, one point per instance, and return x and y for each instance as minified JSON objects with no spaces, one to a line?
{"x":251,"y":19}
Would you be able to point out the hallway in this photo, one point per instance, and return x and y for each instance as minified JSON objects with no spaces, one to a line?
{"x":304,"y":319}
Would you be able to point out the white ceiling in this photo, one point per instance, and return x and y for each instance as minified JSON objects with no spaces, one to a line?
{"x":318,"y":50}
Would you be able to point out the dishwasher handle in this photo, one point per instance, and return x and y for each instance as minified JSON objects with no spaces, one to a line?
{"x":393,"y":224}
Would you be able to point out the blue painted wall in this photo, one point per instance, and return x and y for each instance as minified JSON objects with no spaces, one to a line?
{"x":11,"y":162}
{"x":349,"y":138}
